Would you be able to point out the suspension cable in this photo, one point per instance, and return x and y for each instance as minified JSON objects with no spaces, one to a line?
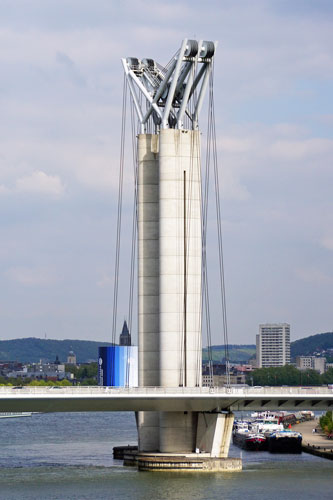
{"x":134,"y":231}
{"x":119,"y":213}
{"x":220,"y":239}
{"x":205,"y":287}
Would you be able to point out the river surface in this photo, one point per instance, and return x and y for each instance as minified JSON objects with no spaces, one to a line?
{"x":69,"y":456}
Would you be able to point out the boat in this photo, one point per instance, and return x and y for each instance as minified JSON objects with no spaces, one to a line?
{"x":266,"y":424}
{"x":240,"y":424}
{"x":266,"y":431}
{"x":247,"y":439}
{"x":256,"y":442}
{"x":17,"y":414}
{"x":285,"y":441}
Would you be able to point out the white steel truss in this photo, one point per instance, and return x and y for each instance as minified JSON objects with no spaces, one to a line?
{"x":173,"y":92}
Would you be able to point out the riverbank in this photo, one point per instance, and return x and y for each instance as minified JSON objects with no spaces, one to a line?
{"x":315,"y":443}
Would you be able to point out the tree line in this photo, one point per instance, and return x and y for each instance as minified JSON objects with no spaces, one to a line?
{"x":289,"y":375}
{"x":326,"y":423}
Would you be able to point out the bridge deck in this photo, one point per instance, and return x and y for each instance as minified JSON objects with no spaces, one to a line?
{"x":71,"y":399}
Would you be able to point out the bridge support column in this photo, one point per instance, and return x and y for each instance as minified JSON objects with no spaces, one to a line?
{"x":148,"y":425}
{"x":148,"y":283}
{"x":178,"y":432}
{"x":180,"y":279}
{"x":214,"y":432}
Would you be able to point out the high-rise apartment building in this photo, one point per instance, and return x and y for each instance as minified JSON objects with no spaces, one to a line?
{"x":273,"y":345}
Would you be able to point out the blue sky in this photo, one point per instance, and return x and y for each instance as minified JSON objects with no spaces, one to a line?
{"x":60,"y":102}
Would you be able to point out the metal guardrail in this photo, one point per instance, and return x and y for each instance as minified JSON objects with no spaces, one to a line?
{"x":150,"y":391}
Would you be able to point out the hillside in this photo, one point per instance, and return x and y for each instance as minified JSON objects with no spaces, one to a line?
{"x":309,"y":345}
{"x":33,"y":349}
{"x":237,"y":353}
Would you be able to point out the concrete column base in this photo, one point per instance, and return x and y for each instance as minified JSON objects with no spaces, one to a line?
{"x":192,"y":462}
{"x":213,"y":436}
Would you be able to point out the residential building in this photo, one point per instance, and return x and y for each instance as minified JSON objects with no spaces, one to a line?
{"x":219,"y":377}
{"x":222,"y":380}
{"x":8,"y":367}
{"x":311,"y":363}
{"x":304,"y":362}
{"x":273,"y":345}
{"x":319,"y":364}
{"x":42,"y":371}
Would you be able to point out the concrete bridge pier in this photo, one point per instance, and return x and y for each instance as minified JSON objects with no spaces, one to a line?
{"x":178,"y":432}
{"x":148,"y":283}
{"x":169,"y":283}
{"x":214,"y":431}
{"x":196,"y":432}
{"x":192,"y":441}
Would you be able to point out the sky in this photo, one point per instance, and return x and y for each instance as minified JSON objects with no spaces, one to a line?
{"x":60,"y":113}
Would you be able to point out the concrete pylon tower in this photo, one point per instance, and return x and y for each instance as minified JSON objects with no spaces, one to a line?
{"x":168,"y":101}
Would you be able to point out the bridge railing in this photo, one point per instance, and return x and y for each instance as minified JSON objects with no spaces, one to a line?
{"x":223,"y":391}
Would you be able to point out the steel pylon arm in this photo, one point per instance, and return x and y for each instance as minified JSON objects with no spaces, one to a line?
{"x":169,"y":92}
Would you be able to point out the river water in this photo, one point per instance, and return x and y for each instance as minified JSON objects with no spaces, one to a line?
{"x":69,"y":456}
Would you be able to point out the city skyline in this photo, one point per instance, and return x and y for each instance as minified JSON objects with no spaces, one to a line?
{"x":60,"y":98}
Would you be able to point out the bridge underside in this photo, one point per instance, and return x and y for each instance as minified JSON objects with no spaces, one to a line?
{"x":100,"y":399}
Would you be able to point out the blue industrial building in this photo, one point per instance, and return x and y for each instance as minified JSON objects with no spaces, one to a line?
{"x":118,"y":364}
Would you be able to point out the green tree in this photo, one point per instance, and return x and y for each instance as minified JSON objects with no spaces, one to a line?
{"x":284,"y":375}
{"x":88,"y":371}
{"x":327,"y":377}
{"x":326,"y":423}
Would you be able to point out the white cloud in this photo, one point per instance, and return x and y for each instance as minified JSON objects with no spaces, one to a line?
{"x":40,"y":183}
{"x":4,"y":189}
{"x":232,"y":188}
{"x":236,"y":144}
{"x":302,"y":149}
{"x":327,"y":242}
{"x":106,"y":280}
{"x":313,"y":276}
{"x":31,"y":276}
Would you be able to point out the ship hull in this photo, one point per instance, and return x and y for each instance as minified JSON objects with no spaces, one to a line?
{"x":250,"y":443}
{"x":285,"y":444}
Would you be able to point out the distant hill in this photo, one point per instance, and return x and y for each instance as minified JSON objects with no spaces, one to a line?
{"x":237,"y":353}
{"x":33,"y":349}
{"x":309,"y":345}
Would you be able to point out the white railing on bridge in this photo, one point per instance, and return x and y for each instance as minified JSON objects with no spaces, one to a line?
{"x":223,"y":391}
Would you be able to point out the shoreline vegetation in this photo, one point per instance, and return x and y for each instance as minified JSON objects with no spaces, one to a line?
{"x":326,"y":424}
{"x":288,"y":375}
